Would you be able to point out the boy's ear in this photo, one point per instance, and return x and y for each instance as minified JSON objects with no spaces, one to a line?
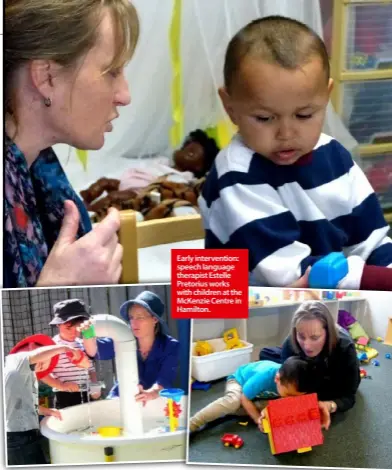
{"x":227,"y":104}
{"x":277,"y":378}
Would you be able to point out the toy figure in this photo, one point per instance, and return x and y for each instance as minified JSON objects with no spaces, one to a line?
{"x":152,"y":201}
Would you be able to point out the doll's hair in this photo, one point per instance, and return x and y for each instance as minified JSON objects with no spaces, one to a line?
{"x":275,"y":40}
{"x":209,"y":145}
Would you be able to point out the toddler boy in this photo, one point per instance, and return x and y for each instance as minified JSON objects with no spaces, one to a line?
{"x":70,"y":382}
{"x":282,"y":189}
{"x":256,"y":380}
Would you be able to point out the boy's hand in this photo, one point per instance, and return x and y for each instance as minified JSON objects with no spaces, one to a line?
{"x":260,"y":421}
{"x":95,"y":395}
{"x":77,"y":357}
{"x":70,"y":387}
{"x":325,"y":416}
{"x":52,"y":412}
{"x":303,"y":281}
{"x":87,"y":329}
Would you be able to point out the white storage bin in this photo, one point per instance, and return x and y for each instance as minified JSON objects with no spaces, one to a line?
{"x":221,"y":362}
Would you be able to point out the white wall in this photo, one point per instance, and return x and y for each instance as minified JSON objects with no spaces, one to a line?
{"x":380,"y":309}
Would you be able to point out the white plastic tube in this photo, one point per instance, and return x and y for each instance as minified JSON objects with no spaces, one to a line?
{"x":125,"y":347}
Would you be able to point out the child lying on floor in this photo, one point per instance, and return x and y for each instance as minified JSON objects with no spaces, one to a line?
{"x":256,"y":380}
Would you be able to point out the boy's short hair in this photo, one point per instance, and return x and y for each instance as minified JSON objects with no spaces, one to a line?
{"x":296,"y":371}
{"x":276,"y":40}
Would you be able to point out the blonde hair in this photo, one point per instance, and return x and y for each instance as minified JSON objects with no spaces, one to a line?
{"x":315,"y":310}
{"x":62,"y":31}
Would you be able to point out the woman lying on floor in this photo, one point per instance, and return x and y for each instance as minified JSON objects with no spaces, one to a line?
{"x":328,"y":348}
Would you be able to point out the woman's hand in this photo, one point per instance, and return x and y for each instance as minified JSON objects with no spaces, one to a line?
{"x":325,"y":415}
{"x":260,"y":421}
{"x":93,"y":259}
{"x":146,"y":395}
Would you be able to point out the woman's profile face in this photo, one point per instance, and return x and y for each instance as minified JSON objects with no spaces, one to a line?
{"x":85,"y":100}
{"x":142,"y":322}
{"x":311,"y":336}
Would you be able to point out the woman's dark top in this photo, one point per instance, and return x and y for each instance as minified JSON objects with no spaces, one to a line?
{"x":336,"y":376}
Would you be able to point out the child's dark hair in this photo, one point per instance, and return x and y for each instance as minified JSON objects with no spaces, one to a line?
{"x":209,"y":145}
{"x":296,"y":371}
{"x":276,"y":40}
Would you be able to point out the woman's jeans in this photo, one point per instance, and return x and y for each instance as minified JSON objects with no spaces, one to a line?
{"x":24,"y":448}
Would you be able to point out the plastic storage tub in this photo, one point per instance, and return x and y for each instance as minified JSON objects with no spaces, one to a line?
{"x":221,"y":362}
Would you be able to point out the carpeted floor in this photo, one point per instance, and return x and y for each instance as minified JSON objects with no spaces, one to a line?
{"x":361,"y":437}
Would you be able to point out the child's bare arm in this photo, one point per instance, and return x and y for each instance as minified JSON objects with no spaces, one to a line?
{"x":250,"y":408}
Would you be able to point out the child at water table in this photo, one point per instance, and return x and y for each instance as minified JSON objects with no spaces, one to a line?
{"x":30,"y":359}
{"x":70,"y":382}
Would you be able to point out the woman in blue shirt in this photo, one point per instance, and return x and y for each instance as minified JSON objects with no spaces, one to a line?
{"x":157,"y":353}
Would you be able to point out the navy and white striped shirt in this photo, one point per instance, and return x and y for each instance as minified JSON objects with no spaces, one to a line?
{"x":288,"y":217}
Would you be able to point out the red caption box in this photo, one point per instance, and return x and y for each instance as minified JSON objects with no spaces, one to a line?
{"x":209,"y":283}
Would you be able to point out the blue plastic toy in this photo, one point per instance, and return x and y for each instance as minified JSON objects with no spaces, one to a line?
{"x":327,"y":272}
{"x":362,"y":356}
{"x":388,"y":356}
{"x":196,"y":385}
{"x":375,"y":363}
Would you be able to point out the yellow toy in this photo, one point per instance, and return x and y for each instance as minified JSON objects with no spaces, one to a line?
{"x":232,"y":339}
{"x":173,"y":407}
{"x":203,"y":348}
{"x":370,"y":352}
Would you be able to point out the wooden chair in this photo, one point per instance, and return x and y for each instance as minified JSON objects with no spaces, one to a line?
{"x":134,"y":235}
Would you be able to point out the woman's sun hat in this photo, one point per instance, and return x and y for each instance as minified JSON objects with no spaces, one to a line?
{"x":152,"y":303}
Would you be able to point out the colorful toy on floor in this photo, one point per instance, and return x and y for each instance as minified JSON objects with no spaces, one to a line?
{"x":363,"y":357}
{"x":232,"y":440}
{"x":364,"y":374}
{"x":173,"y":408}
{"x":379,"y":339}
{"x":232,"y":339}
{"x":363,"y":341}
{"x":196,"y":385}
{"x":202,"y":348}
{"x":375,"y":363}
{"x":328,"y":271}
{"x":370,"y":352}
{"x":293,"y":423}
{"x":387,"y":356}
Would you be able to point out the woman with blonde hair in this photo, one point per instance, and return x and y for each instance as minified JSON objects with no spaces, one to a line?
{"x":329,"y":350}
{"x":64,"y":82}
